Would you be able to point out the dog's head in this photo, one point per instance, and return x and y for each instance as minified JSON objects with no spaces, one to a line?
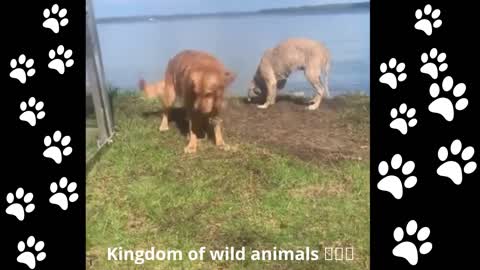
{"x":151,"y":90}
{"x":256,"y":89}
{"x":253,"y":91}
{"x":210,"y":89}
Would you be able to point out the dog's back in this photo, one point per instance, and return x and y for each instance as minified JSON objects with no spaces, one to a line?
{"x":298,"y":53}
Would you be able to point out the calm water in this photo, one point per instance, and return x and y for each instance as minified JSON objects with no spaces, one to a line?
{"x":132,"y":50}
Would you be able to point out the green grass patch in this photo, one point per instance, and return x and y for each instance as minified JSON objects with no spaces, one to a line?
{"x":145,"y":192}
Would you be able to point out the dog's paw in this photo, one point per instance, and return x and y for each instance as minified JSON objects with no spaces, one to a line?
{"x":163,"y":128}
{"x":190,"y":149}
{"x":310,"y":101}
{"x":224,"y":147}
{"x":263,"y":106}
{"x":312,"y":107}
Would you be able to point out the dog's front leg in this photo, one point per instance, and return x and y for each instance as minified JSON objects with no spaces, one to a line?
{"x":216,"y":122}
{"x":271,"y":95}
{"x":164,"y":123}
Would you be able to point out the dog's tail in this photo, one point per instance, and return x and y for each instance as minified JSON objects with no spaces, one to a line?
{"x":141,"y":84}
{"x":229,"y":77}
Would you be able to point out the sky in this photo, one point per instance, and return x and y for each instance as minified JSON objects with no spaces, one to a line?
{"x":114,"y":8}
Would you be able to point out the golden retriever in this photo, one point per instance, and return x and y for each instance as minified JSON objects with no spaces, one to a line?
{"x":200,"y":81}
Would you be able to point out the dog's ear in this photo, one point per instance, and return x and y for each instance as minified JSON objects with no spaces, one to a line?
{"x":229,"y":77}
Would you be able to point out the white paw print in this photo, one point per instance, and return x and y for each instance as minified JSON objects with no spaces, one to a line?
{"x":57,"y":63}
{"x":52,"y":23}
{"x":59,"y":197}
{"x":399,"y":121}
{"x":19,"y":72}
{"x":18,"y":209}
{"x":431,"y":68}
{"x":452,"y":169}
{"x":54,"y":151}
{"x":392,"y":183}
{"x":444,"y":106}
{"x":390,"y":78}
{"x":27,"y":254}
{"x":426,"y":24}
{"x":31,"y":111}
{"x":408,"y":250}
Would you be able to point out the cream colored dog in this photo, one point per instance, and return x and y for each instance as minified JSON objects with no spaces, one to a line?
{"x":291,"y":55}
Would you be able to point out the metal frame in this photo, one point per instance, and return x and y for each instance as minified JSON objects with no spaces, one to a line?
{"x":95,"y":75}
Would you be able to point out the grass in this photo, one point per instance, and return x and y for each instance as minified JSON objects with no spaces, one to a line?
{"x":91,"y":141}
{"x":145,"y":192}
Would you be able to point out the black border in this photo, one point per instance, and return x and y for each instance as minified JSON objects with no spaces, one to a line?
{"x":447,"y":209}
{"x":63,"y":232}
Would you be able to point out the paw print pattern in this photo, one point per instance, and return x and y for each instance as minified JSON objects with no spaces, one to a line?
{"x":389,"y":77}
{"x":21,"y":73}
{"x":59,"y":197}
{"x":392,"y":183}
{"x":27,"y":252}
{"x":53,"y":151}
{"x":400,"y":119}
{"x":407,"y":249}
{"x":426,"y":24}
{"x":57,"y":63}
{"x":444,"y":106}
{"x":431,"y":68}
{"x":19,"y":209}
{"x":53,"y":23}
{"x":452,"y":169}
{"x":31,"y":111}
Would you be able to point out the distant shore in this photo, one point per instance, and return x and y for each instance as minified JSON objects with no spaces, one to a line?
{"x":303,"y":10}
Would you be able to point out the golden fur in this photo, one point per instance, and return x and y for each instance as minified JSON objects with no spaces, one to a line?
{"x":199,"y":80}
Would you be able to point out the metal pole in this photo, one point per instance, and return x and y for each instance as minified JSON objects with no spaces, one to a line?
{"x":97,"y":56}
{"x":91,"y":72}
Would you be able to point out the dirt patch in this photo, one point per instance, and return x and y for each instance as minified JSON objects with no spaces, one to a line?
{"x":338,"y":130}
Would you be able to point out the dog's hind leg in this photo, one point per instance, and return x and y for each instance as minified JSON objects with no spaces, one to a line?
{"x":313,"y":76}
{"x":325,"y":84}
{"x":194,"y":126}
{"x":324,"y":79}
{"x":167,"y":97}
{"x":216,"y":122}
{"x":164,"y":122}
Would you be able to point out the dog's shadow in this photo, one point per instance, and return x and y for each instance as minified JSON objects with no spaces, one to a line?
{"x":176,"y":115}
{"x":179,"y":118}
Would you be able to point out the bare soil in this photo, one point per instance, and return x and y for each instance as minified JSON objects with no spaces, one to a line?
{"x":338,"y":130}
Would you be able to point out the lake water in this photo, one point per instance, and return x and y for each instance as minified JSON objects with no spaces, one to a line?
{"x":132,"y":50}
